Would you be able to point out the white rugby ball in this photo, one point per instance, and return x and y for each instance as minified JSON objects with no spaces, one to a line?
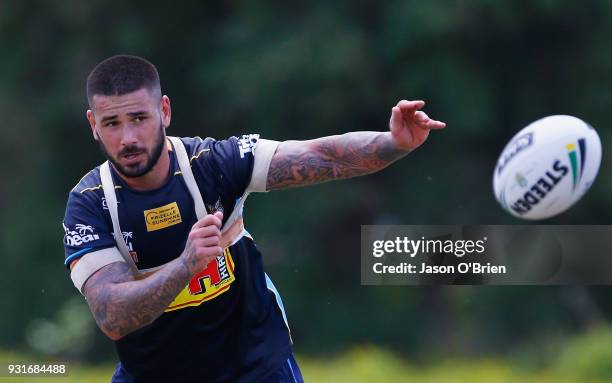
{"x":547,"y":167}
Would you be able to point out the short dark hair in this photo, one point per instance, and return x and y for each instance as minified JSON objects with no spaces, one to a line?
{"x":122,"y":74}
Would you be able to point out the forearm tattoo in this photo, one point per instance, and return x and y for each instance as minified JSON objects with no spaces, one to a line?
{"x":299,"y":163}
{"x":122,"y":303}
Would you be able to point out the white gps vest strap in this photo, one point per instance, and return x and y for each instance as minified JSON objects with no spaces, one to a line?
{"x":185,"y":166}
{"x":232,"y":231}
{"x":111,"y":202}
{"x":232,"y":223}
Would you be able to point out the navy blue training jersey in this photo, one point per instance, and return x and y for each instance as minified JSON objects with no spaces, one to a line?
{"x":228,"y":324}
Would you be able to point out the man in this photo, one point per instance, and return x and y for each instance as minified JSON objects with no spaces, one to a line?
{"x":197,"y":306}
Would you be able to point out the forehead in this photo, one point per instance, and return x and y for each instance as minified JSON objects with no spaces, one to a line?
{"x":137,"y":101}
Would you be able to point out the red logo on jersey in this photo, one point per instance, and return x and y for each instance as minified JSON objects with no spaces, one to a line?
{"x":216,"y":272}
{"x":208,"y":284}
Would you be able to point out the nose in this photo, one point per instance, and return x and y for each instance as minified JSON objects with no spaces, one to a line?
{"x":128,"y":135}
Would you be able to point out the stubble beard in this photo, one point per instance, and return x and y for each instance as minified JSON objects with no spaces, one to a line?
{"x":137,"y":170}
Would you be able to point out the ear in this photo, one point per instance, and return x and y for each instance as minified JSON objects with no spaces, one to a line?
{"x":166,"y":111}
{"x":92,"y":124}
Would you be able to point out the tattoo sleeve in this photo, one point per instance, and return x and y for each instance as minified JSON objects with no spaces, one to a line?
{"x":122,"y":302}
{"x":300,"y":163}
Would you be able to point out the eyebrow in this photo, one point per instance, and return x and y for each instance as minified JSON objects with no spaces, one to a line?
{"x":135,"y":114}
{"x":114,"y":117}
{"x":108,"y":118}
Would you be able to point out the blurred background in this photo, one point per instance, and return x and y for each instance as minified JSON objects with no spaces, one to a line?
{"x":300,"y":70}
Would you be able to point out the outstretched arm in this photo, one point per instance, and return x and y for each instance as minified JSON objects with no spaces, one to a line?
{"x":300,"y":163}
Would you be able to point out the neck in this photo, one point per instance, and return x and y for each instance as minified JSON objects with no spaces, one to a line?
{"x":154,"y":179}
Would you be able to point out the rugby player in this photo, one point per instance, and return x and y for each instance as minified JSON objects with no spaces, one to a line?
{"x":183,"y":294}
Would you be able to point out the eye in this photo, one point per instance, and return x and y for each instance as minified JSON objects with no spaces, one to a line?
{"x":110,"y":124}
{"x":140,"y":118}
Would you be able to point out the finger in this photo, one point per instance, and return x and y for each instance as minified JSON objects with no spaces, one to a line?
{"x":219,"y":214}
{"x":435,"y":124}
{"x":207,"y":242}
{"x":421,"y":117}
{"x":207,"y":231}
{"x":207,"y":220}
{"x":215,"y":220}
{"x":411,"y":104}
{"x":405,"y":105}
{"x":427,"y":123}
{"x":412,"y":113}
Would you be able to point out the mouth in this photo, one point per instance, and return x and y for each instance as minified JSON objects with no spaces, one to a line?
{"x":132,"y":158}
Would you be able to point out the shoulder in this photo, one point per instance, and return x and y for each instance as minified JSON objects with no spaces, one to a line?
{"x":210,"y":153}
{"x":89,"y":182}
{"x":196,"y":147}
{"x":235,"y":145}
{"x":88,"y":190}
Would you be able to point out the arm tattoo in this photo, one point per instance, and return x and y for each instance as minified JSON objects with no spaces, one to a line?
{"x":299,"y":163}
{"x":121,"y":302}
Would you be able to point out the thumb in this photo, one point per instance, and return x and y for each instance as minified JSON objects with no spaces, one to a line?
{"x":219,"y":214}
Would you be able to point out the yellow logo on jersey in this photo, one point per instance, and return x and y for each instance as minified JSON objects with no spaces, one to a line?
{"x":209,"y":283}
{"x":162,"y":217}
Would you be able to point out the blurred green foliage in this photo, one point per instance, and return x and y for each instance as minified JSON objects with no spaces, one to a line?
{"x":582,"y":359}
{"x":298,"y":70}
{"x":588,"y":357}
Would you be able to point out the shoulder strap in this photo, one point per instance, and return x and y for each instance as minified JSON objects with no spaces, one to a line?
{"x":185,"y":166}
{"x":111,"y":202}
{"x":233,"y":229}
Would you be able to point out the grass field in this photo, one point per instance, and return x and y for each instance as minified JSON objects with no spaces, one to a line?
{"x":584,"y":359}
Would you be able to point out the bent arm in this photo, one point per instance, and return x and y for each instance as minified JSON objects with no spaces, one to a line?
{"x":122,"y":302}
{"x":300,"y":163}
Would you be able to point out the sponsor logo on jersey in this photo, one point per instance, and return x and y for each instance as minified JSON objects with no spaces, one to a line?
{"x":128,"y":237}
{"x":162,"y":217}
{"x":246,"y":143}
{"x":208,"y":284}
{"x":80,"y":235}
{"x":105,"y":205}
{"x":213,"y":208}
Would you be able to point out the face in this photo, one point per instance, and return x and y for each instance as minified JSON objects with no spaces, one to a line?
{"x":130,"y":129}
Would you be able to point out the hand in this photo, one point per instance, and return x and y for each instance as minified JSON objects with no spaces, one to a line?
{"x":410,"y":126}
{"x":204,"y":242}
